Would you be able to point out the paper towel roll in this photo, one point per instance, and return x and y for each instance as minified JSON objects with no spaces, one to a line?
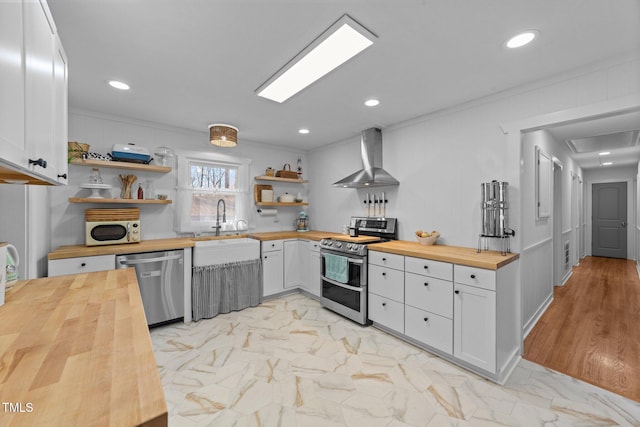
{"x":267,"y":212}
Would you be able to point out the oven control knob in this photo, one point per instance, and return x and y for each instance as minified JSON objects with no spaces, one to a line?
{"x":349,"y":245}
{"x":356,"y":247}
{"x":338,"y":244}
{"x":323,"y":241}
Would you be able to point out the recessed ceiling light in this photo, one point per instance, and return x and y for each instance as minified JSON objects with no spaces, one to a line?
{"x":607,"y":163}
{"x":604,"y":153}
{"x":118,"y":85}
{"x":522,"y":39}
{"x":371,"y":102}
{"x":303,"y":131}
{"x":340,"y":42}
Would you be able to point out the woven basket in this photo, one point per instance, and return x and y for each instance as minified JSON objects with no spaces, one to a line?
{"x":286,"y":172}
{"x":76,"y":150}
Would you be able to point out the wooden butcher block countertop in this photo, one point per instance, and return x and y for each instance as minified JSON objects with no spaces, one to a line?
{"x":77,"y":349}
{"x":491,"y":260}
{"x":127,"y":248}
{"x":309,"y":235}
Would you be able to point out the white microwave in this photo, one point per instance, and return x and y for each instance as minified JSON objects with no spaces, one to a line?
{"x":112,"y":232}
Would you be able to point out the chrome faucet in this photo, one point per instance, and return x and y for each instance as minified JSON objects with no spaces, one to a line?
{"x":224,"y":216}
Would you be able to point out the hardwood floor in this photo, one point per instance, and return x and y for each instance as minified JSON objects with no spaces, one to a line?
{"x":591,"y":330}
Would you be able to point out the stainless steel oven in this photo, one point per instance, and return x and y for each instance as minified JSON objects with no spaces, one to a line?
{"x":347,"y":293}
{"x":350,"y":298}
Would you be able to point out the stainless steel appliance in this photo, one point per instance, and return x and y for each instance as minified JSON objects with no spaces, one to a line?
{"x":348,"y":296}
{"x":495,"y":214}
{"x":112,"y":226}
{"x":161,"y":280}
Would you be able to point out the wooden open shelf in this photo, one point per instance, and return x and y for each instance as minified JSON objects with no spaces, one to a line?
{"x":275,"y":178}
{"x":120,"y":201}
{"x":120,"y":165}
{"x":281,"y":204}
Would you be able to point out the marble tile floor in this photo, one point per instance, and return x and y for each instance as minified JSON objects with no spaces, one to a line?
{"x":289,"y":362}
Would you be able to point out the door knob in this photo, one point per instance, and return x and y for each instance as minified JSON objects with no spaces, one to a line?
{"x":623,"y":224}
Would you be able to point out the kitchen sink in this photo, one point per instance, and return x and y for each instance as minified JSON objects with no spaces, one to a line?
{"x":222,"y":251}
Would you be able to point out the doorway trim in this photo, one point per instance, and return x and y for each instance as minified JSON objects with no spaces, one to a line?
{"x":514,"y":131}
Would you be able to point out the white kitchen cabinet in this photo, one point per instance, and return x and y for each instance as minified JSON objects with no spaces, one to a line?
{"x":429,"y":328}
{"x":386,"y":290}
{"x":313,"y":277}
{"x":88,"y":264}
{"x":296,"y":263}
{"x":430,"y":294}
{"x":12,"y":142}
{"x":475,"y":326}
{"x":272,"y":267}
{"x":34,"y":93}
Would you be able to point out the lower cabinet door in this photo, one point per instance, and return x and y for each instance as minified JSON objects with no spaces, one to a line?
{"x":386,"y":312}
{"x":313,"y":282}
{"x":272,"y":273}
{"x":474,"y":314}
{"x":429,"y":328}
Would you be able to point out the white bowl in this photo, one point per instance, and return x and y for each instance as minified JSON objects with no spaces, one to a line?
{"x":428,"y":240}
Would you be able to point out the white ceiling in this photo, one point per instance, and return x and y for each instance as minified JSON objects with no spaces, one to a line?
{"x":191,"y":63}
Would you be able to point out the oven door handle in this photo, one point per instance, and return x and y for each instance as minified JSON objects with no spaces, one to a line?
{"x":351,"y":260}
{"x":342,"y":285}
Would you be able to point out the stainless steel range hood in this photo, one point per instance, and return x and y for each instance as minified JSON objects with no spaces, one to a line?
{"x":371,"y":174}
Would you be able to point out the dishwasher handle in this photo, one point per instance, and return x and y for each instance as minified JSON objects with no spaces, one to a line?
{"x":123,"y":262}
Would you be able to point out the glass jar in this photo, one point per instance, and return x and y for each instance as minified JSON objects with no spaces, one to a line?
{"x":149,"y":191}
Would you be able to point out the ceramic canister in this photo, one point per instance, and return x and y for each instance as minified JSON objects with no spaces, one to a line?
{"x":3,"y":270}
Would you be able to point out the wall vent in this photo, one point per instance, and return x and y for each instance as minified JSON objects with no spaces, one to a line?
{"x":567,"y":264}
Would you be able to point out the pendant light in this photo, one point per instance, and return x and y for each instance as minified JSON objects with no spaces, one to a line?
{"x":223,"y":135}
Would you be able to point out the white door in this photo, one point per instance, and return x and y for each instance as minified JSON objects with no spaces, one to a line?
{"x":474,"y":326}
{"x":272,"y":272}
{"x":60,"y":164}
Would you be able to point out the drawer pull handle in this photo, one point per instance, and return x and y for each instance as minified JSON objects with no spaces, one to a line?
{"x":265,"y":257}
{"x":384,"y":274}
{"x":426,"y":319}
{"x":273,"y":245}
{"x":426,"y":283}
{"x":384,"y":304}
{"x":84,"y":264}
{"x":384,"y":259}
{"x":456,"y":292}
{"x":473,"y":276}
{"x":426,"y":267}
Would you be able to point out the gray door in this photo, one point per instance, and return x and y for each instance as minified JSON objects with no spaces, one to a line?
{"x":610,"y":220}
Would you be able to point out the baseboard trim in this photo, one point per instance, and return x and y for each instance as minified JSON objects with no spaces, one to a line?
{"x":532,"y":322}
{"x":566,"y":278}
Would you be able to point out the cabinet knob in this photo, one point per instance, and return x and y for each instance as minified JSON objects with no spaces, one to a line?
{"x":426,"y":267}
{"x":40,"y":162}
{"x":426,"y":283}
{"x":384,"y":304}
{"x":384,"y":274}
{"x":273,"y":245}
{"x":426,"y":319}
{"x":84,"y":264}
{"x":473,"y":276}
{"x":63,"y":176}
{"x":456,"y":292}
{"x":384,"y":259}
{"x":265,"y":257}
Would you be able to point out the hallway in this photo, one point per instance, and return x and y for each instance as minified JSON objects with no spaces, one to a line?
{"x":591,"y":331}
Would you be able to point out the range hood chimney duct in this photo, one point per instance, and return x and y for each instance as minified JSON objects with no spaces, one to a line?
{"x":371,"y":174}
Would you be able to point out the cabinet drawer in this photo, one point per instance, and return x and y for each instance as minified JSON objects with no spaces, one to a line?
{"x":60,"y":267}
{"x":386,"y":282}
{"x":474,"y":276}
{"x":429,"y":328}
{"x":386,"y":312}
{"x":386,"y":260}
{"x":314,"y":246}
{"x":427,"y":267}
{"x":272,"y":245}
{"x":429,"y":293}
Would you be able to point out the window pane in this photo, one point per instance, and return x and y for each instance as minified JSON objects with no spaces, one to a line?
{"x":204,"y":207}
{"x":212,"y":177}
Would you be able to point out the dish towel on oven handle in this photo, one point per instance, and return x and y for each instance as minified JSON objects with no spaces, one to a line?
{"x":336,"y":268}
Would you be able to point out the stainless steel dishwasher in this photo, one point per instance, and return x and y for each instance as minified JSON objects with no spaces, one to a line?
{"x":161,"y":281}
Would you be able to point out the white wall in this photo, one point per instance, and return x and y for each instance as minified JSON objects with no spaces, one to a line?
{"x":101,"y":132}
{"x":613,"y":174}
{"x":441,"y":159}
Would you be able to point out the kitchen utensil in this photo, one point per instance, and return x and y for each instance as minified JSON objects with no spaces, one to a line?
{"x":13,"y":261}
{"x":302,"y":222}
{"x":126,"y":181}
{"x":286,"y":172}
{"x":130,"y":153}
{"x":384,"y":205}
{"x":353,"y":231}
{"x":287,"y":198}
{"x":367,"y":204}
{"x":95,"y":189}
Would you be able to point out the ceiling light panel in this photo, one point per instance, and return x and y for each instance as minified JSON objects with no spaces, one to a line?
{"x":521,"y":39}
{"x":339,"y":43}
